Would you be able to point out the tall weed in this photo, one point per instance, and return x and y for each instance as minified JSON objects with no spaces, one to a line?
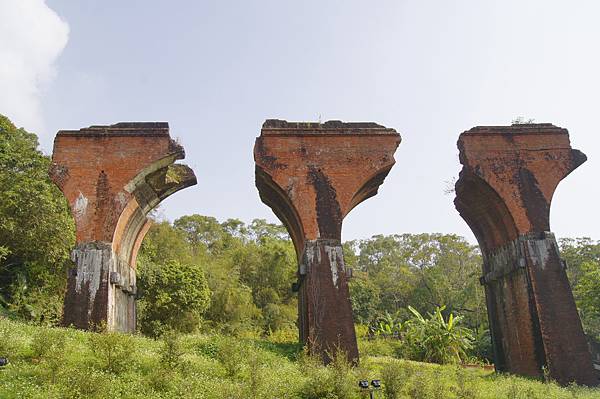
{"x":334,"y":381}
{"x":113,"y":351}
{"x":48,"y":348}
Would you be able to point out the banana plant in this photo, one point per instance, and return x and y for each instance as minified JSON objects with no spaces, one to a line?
{"x":387,"y":326}
{"x":436,"y":339}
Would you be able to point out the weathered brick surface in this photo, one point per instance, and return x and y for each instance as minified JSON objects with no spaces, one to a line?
{"x":312,"y":175}
{"x":112,"y":176}
{"x":504,"y":193}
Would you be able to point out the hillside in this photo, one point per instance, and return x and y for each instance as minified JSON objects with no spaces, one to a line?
{"x":65,"y":363}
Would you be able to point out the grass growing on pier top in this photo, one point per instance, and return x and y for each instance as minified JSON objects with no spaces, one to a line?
{"x":65,"y":363}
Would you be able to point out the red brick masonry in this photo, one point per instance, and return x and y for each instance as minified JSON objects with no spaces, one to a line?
{"x":312,"y":175}
{"x":112,"y":176}
{"x":504,"y":192}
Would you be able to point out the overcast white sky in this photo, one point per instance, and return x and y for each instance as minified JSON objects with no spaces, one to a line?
{"x":216,"y":69}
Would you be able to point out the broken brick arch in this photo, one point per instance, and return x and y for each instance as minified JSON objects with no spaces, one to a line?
{"x":484,"y":211}
{"x":274,"y":197}
{"x":312,"y":175}
{"x":112,"y":176}
{"x":504,"y":193}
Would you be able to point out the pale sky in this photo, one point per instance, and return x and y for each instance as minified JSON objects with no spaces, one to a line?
{"x":215,"y":70}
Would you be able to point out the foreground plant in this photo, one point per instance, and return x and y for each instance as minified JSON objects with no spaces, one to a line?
{"x":437,"y":339}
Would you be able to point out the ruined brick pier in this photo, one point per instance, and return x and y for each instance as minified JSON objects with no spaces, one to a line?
{"x":504,"y":192}
{"x":312,"y":175}
{"x":112,"y":176}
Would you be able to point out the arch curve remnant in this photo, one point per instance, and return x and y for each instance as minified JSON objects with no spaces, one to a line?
{"x":112,"y":176}
{"x":311,"y":175}
{"x":504,"y":192}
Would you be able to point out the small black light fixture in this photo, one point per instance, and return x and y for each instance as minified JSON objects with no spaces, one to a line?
{"x":3,"y":361}
{"x":296,"y":286}
{"x":364,"y":386}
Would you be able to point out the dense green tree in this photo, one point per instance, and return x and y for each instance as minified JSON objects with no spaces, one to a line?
{"x":259,"y":228}
{"x":582,"y":256}
{"x":172,"y":297}
{"x":448,"y":270}
{"x":587,"y":296}
{"x":232,"y":308}
{"x":269,"y":267}
{"x":36,"y":229}
{"x":270,"y":272}
{"x":164,"y":243}
{"x":167,"y":255}
{"x":381,"y":258}
{"x":365,"y":296}
{"x":235,"y":228}
{"x":576,"y":252}
{"x":202,"y":232}
{"x":249,"y":269}
{"x":425,"y":271}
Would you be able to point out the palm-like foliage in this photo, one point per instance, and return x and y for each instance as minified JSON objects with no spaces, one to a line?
{"x":387,"y":326}
{"x":436,"y":339}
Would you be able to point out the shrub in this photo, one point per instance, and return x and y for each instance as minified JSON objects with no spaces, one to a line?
{"x":173,"y":297}
{"x":284,"y":335}
{"x":207,"y":347}
{"x":232,"y":355}
{"x":255,"y":376}
{"x":48,"y":348}
{"x":387,"y":326}
{"x":171,"y":351}
{"x":393,"y":378}
{"x":379,"y":347}
{"x":83,"y":383}
{"x":334,"y":381}
{"x":482,"y":349}
{"x":464,"y":385}
{"x":114,"y":351}
{"x":7,"y":348}
{"x":262,"y":373}
{"x":436,"y":339}
{"x":279,"y":316}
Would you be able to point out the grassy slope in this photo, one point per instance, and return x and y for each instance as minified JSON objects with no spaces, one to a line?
{"x":63,"y":363}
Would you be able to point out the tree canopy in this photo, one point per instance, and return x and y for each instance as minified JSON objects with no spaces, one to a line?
{"x":36,"y":228}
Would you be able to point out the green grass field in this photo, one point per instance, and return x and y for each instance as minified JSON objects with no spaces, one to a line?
{"x":65,"y":363}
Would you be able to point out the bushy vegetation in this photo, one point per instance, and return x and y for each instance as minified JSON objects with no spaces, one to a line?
{"x":436,"y":339}
{"x":583,"y":268}
{"x":433,"y":339}
{"x":248,"y":270}
{"x":37,"y":232}
{"x":172,"y":297}
{"x":64,"y":363}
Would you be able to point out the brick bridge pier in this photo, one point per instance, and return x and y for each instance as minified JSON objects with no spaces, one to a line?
{"x":503,"y":193}
{"x":112,"y":176}
{"x":311,"y":175}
